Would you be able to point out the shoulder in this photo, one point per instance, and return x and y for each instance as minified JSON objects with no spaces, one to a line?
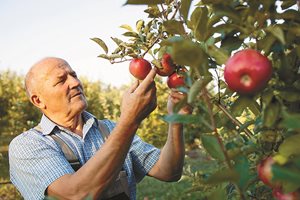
{"x":29,"y":141}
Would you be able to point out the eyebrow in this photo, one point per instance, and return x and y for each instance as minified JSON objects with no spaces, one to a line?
{"x":60,"y":76}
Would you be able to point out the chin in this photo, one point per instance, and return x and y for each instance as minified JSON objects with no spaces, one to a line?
{"x":79,"y":106}
{"x":82,"y":106}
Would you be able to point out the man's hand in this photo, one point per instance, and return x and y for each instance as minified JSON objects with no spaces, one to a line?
{"x":140,"y":100}
{"x":174,"y":98}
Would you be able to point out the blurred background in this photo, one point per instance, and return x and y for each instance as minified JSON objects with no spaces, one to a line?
{"x":33,"y":29}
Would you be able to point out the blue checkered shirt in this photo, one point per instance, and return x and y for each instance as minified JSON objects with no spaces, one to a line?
{"x":36,"y":160}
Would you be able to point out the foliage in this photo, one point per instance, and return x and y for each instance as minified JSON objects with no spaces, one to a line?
{"x":238,"y":131}
{"x":16,"y":112}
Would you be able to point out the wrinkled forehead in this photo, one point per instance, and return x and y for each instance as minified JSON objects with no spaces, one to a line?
{"x":54,"y":68}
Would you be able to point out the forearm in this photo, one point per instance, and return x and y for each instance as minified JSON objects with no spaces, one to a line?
{"x":95,"y":175}
{"x":170,"y":163}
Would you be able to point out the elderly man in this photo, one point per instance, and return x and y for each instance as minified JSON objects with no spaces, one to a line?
{"x":38,"y":163}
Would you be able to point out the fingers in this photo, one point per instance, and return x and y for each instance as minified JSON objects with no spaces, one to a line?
{"x":133,"y":86}
{"x":148,"y":81}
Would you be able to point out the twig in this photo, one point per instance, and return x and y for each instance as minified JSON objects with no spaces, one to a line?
{"x":5,"y":182}
{"x":120,"y":61}
{"x":213,"y":123}
{"x":150,"y":47}
{"x":233,"y":119}
{"x":175,"y":12}
{"x":164,"y":14}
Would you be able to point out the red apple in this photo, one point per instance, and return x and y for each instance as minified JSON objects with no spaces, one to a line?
{"x":279,"y":195}
{"x":139,"y":68}
{"x":168,"y":66}
{"x":247,"y":71}
{"x":176,"y":80}
{"x":264,"y":170}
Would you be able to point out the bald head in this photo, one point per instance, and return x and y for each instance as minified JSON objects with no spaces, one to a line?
{"x":37,"y":73}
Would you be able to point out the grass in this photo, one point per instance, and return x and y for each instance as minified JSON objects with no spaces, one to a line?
{"x":150,"y":188}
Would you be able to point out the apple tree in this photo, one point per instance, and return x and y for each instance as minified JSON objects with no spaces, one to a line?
{"x":250,"y":115}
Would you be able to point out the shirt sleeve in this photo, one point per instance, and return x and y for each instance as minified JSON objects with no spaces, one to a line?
{"x":143,"y":155}
{"x":35,"y":162}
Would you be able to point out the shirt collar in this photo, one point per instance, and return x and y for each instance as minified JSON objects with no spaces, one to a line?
{"x":48,"y":125}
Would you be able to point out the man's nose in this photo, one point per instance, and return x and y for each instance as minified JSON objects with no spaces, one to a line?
{"x":74,"y":82}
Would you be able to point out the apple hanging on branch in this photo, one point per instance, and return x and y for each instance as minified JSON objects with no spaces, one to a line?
{"x":264,"y":170}
{"x":247,"y":72}
{"x":279,"y":195}
{"x":139,"y":68}
{"x":177,"y":79}
{"x":167,"y":65}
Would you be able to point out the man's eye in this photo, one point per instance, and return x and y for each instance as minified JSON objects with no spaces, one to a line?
{"x":59,"y":82}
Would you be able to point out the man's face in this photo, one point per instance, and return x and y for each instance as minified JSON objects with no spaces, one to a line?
{"x":61,"y":91}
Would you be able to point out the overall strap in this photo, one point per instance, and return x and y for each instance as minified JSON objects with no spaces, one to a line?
{"x":66,"y":149}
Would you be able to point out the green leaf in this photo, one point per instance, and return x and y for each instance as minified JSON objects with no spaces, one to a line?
{"x":131,"y":34}
{"x":287,"y":3}
{"x":114,"y":56}
{"x":221,"y":10}
{"x":101,"y":44}
{"x":184,"y":8}
{"x":217,"y":194}
{"x":105,"y":56}
{"x":157,"y":63}
{"x":289,"y":14}
{"x":224,"y":175}
{"x":290,"y":96}
{"x":218,"y":54}
{"x":245,"y":125}
{"x":290,"y":146}
{"x":212,"y":146}
{"x":196,"y":88}
{"x":187,"y":53}
{"x":174,"y":27}
{"x":127,"y":27}
{"x":117,"y":40}
{"x":199,"y":19}
{"x":242,"y":166}
{"x":186,"y":119}
{"x":139,"y":25}
{"x":153,"y":12}
{"x":231,"y":43}
{"x":286,"y":174}
{"x":271,"y":113}
{"x":254,"y":107}
{"x":225,"y":28}
{"x":144,"y":2}
{"x":240,"y":104}
{"x":210,"y":2}
{"x":295,"y":30}
{"x":291,"y":121}
{"x":277,"y":32}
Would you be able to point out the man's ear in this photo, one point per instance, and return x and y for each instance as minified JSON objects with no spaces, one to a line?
{"x":37,"y":102}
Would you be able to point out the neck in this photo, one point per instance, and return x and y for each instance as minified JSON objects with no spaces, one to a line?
{"x":72,"y":123}
{"x":75,"y":125}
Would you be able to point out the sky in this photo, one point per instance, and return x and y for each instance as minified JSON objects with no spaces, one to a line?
{"x":33,"y":29}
